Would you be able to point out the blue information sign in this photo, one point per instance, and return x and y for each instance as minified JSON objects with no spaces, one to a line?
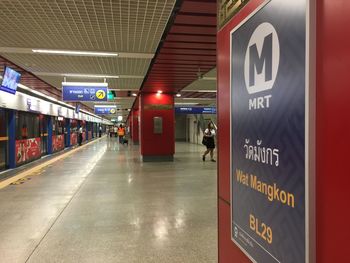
{"x":195,"y":110}
{"x":84,"y":93}
{"x":268,"y":134}
{"x":10,"y":80}
{"x":104,"y":110}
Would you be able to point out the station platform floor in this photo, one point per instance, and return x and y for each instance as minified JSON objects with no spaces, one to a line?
{"x":102,"y":204}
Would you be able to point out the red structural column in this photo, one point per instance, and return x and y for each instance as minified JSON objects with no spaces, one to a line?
{"x":157,"y":111}
{"x":134,"y":120}
{"x":332,"y":131}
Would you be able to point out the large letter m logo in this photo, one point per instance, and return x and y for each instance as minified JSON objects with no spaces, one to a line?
{"x":262,"y":59}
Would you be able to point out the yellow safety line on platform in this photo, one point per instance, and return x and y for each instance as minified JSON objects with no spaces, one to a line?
{"x":28,"y":172}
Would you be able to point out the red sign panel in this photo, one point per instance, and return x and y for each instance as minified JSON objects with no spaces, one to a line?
{"x":57,"y":143}
{"x":73,"y":139}
{"x":28,"y":150}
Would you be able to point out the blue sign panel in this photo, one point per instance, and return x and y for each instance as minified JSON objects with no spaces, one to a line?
{"x":268,"y":176}
{"x":10,"y":80}
{"x":195,"y":110}
{"x":84,"y":93}
{"x":105,"y":110}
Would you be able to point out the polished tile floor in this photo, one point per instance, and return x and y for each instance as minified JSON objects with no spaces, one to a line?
{"x":102,"y":204}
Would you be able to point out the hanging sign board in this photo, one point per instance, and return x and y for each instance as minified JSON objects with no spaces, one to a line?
{"x":195,"y":110}
{"x":104,"y":110}
{"x":72,"y":91}
{"x":269,"y":157}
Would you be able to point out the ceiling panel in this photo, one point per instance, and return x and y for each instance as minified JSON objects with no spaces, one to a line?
{"x":207,"y":83}
{"x":130,"y":26}
{"x":80,"y":65}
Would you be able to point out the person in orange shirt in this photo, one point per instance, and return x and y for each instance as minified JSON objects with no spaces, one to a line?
{"x":121,"y":133}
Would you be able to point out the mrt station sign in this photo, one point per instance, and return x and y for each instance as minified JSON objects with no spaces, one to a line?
{"x":269,"y":133}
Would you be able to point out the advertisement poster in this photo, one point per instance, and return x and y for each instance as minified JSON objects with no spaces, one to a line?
{"x":27,"y":150}
{"x":268,"y":153}
{"x":57,"y":143}
{"x":73,"y":138}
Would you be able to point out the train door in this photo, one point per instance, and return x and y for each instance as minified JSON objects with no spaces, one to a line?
{"x":3,"y":139}
{"x":43,"y":134}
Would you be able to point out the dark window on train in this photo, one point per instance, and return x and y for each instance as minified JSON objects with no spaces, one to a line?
{"x":3,"y":124}
{"x":3,"y":139}
{"x":73,"y":126}
{"x":27,"y":125}
{"x":58,"y":126}
{"x":43,"y":125}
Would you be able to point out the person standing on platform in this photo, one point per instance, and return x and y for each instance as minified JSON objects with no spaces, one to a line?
{"x":121,"y":133}
{"x":209,"y":135}
{"x":80,"y":135}
{"x":100,"y":131}
{"x":115,"y":131}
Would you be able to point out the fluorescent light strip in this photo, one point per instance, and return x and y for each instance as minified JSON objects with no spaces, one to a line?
{"x":76,"y":53}
{"x":201,"y":90}
{"x":86,"y":84}
{"x":186,"y":103}
{"x":102,"y":106}
{"x":198,"y":98}
{"x":90,"y":76}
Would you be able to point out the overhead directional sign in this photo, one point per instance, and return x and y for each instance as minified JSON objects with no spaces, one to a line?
{"x":195,"y":110}
{"x":77,"y":91}
{"x":105,"y":109}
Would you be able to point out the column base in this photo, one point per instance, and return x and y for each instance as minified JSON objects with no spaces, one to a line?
{"x":158,"y":158}
{"x":136,"y":143}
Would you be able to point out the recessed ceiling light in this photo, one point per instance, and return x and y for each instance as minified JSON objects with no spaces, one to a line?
{"x":159,"y":92}
{"x":134,"y":94}
{"x":178,"y":95}
{"x":76,"y":53}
